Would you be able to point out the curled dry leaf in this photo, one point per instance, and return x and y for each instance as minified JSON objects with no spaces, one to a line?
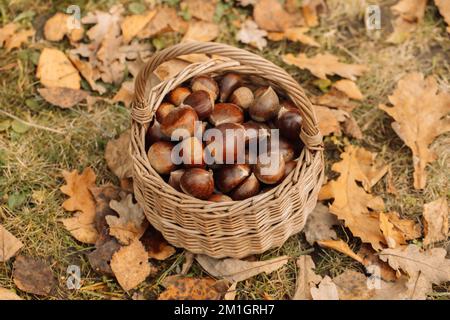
{"x":88,"y":72}
{"x":33,"y":276}
{"x":157,"y":247}
{"x":55,"y":70}
{"x":250,"y":34}
{"x":349,"y":88}
{"x":125,"y":93}
{"x":435,"y":216}
{"x":393,"y":236}
{"x":326,"y":290}
{"x":9,"y":245}
{"x":6,"y":294}
{"x":341,"y":246}
{"x":236,"y":270}
{"x":306,"y":278}
{"x":319,"y":225}
{"x":330,"y":119}
{"x":189,"y":260}
{"x":100,"y":258}
{"x":130,"y":265}
{"x":63,"y":97}
{"x":117,"y":156}
{"x":270,"y":15}
{"x":296,"y":34}
{"x":131,"y":223}
{"x":201,"y":31}
{"x":184,"y":288}
{"x":374,"y":265}
{"x":322,"y":65}
{"x":419,"y":111}
{"x":134,"y":24}
{"x":334,"y":99}
{"x":11,"y":38}
{"x":57,"y":27}
{"x":444,"y":9}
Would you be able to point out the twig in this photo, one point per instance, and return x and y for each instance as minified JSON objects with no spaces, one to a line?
{"x":30,"y":123}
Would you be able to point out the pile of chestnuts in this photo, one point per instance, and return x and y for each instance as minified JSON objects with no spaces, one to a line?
{"x":223,"y":138}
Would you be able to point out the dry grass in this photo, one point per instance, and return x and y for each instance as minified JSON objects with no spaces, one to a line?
{"x":31,"y":163}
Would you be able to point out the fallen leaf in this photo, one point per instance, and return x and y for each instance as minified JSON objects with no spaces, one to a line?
{"x":310,"y":11}
{"x":306,"y":278}
{"x":55,"y":70}
{"x":105,"y":23}
{"x":165,"y":20}
{"x":235,"y":270}
{"x":435,"y":216}
{"x":351,"y":128}
{"x":231,"y":293}
{"x":7,"y":32}
{"x":125,"y":93}
{"x":168,"y":70}
{"x":349,"y":88}
{"x":407,"y":227}
{"x":326,"y":290}
{"x":130,"y":265}
{"x":63,"y":97}
{"x":414,"y":261}
{"x":16,"y":40}
{"x":250,"y":34}
{"x":444,"y":10}
{"x":334,"y":99}
{"x":117,"y":156}
{"x":410,"y":10}
{"x":419,"y":111}
{"x":402,"y":31}
{"x":200,"y":9}
{"x":131,"y":223}
{"x":330,"y":120}
{"x":270,"y":15}
{"x":374,"y":265}
{"x":33,"y":276}
{"x":157,"y":247}
{"x":319,"y":225}
{"x":322,"y":65}
{"x":56,"y":28}
{"x":394,"y":238}
{"x":351,"y":202}
{"x":100,"y":258}
{"x":296,"y":34}
{"x":9,"y":245}
{"x":184,"y":288}
{"x":88,"y":73}
{"x":188,"y":261}
{"x":6,"y":294}
{"x":341,"y":246}
{"x":201,"y":31}
{"x":134,"y":24}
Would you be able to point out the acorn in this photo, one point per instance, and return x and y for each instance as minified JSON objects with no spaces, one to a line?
{"x":289,"y":122}
{"x":230,"y":176}
{"x":160,"y":157}
{"x":270,"y":168}
{"x":205,"y":83}
{"x":248,"y":188}
{"x":243,"y":97}
{"x":218,"y":197}
{"x":265,"y":106}
{"x":163,"y":110}
{"x":198,"y":183}
{"x":229,"y":83}
{"x":202,"y":103}
{"x":177,"y":95}
{"x":174,"y":179}
{"x":183,"y":117}
{"x":226,"y":113}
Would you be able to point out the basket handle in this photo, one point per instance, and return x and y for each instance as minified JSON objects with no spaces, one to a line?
{"x":310,"y":133}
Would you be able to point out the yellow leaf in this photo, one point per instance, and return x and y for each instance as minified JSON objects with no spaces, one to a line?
{"x":444,"y":9}
{"x":132,"y":25}
{"x":201,"y":31}
{"x":55,"y":70}
{"x":394,"y":238}
{"x":310,"y":9}
{"x":17,"y":39}
{"x":56,"y":28}
{"x":435,"y":215}
{"x":341,"y":246}
{"x":7,"y":32}
{"x":349,"y":88}
{"x":296,"y":34}
{"x":9,"y":245}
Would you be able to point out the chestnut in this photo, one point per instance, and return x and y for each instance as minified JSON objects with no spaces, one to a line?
{"x":289,"y":167}
{"x":246,"y":189}
{"x":177,"y":95}
{"x":202,"y":103}
{"x":160,"y":157}
{"x":182,"y":117}
{"x":153,"y":134}
{"x":192,"y":152}
{"x":230,"y":176}
{"x":289,"y":122}
{"x":198,"y":183}
{"x":163,"y":110}
{"x":265,"y":106}
{"x":226,"y":113}
{"x":270,"y":168}
{"x":205,"y":83}
{"x":243,"y":97}
{"x":255,"y":130}
{"x":229,"y":83}
{"x":286,"y":149}
{"x":174,"y":179}
{"x":218,"y":197}
{"x":232,"y":143}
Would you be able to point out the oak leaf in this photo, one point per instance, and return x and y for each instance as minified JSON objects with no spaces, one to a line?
{"x":326,"y":290}
{"x":410,"y":10}
{"x":394,"y":238}
{"x":89,"y":73}
{"x":444,"y":9}
{"x":165,"y":20}
{"x":319,"y":225}
{"x":64,"y":98}
{"x":419,"y":111}
{"x":349,"y":88}
{"x":125,"y":93}
{"x":341,"y":246}
{"x":270,"y":15}
{"x":117,"y":156}
{"x":310,"y":11}
{"x":100,"y":258}
{"x":56,"y":28}
{"x":373,"y":264}
{"x":435,"y":216}
{"x":184,"y":288}
{"x":132,"y":25}
{"x":7,"y":32}
{"x":55,"y":70}
{"x":252,"y":35}
{"x":11,"y":38}
{"x":330,"y":120}
{"x":295,"y":34}
{"x":200,"y":9}
{"x":306,"y":278}
{"x":33,"y":276}
{"x":9,"y":245}
{"x":201,"y":31}
{"x":157,"y":247}
{"x":334,"y":99}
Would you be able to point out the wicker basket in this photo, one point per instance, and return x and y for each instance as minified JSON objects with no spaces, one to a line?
{"x":228,"y":229}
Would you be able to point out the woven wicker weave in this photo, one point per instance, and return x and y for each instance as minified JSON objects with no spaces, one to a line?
{"x":228,"y":229}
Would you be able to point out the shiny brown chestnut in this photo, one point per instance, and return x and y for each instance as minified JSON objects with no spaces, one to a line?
{"x":246,"y":189}
{"x":230,"y":176}
{"x":232,"y":143}
{"x":182,"y":117}
{"x":270,"y":168}
{"x":153,"y":134}
{"x":192,"y":152}
{"x":202,"y":103}
{"x":229,"y":83}
{"x":286,"y":149}
{"x":160,"y":157}
{"x":226,"y":113}
{"x":218,"y":197}
{"x":174,"y":179}
{"x":198,"y":183}
{"x":255,"y":130}
{"x":163,"y":110}
{"x":243,"y":97}
{"x":177,"y":95}
{"x":265,"y":106}
{"x":205,"y":83}
{"x":289,"y":122}
{"x":289,"y":167}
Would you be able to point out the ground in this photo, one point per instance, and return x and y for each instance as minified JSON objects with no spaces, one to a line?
{"x":31,"y":163}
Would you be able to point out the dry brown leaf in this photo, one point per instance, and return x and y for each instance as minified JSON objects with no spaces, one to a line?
{"x":130,"y":265}
{"x":414,"y":261}
{"x":311,"y":9}
{"x":125,"y":93}
{"x":166,"y":71}
{"x":16,"y":40}
{"x":132,"y":25}
{"x":319,"y":225}
{"x":402,"y":31}
{"x":444,"y":10}
{"x":410,"y":10}
{"x":435,"y":216}
{"x":6,"y":294}
{"x":80,"y":228}
{"x":351,"y":128}
{"x":56,"y":28}
{"x":330,"y":120}
{"x":165,"y":20}
{"x":325,"y":64}
{"x":63,"y":97}
{"x":306,"y":278}
{"x":100,"y":258}
{"x":341,"y":246}
{"x":9,"y":245}
{"x":270,"y":15}
{"x":201,"y":31}
{"x":231,"y":293}
{"x":236,"y":270}
{"x":189,"y":260}
{"x":7,"y":32}
{"x":157,"y":247}
{"x":184,"y":288}
{"x":409,"y":228}
{"x":117,"y":156}
{"x":394,"y":238}
{"x":252,"y":35}
{"x":349,"y":88}
{"x":88,"y":72}
{"x":419,"y":110}
{"x":351,"y":202}
{"x":374,"y":265}
{"x":55,"y":70}
{"x":326,"y":290}
{"x":130,"y":224}
{"x":33,"y":276}
{"x":200,"y":9}
{"x":105,"y":23}
{"x":296,"y":34}
{"x":334,"y":99}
